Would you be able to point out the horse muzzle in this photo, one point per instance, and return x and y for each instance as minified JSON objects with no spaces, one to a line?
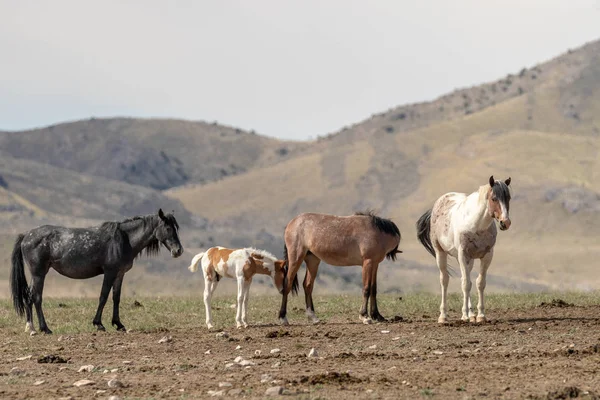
{"x":176,"y":252}
{"x":504,"y":224}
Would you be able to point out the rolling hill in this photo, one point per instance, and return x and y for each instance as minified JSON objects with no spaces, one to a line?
{"x":540,"y":125}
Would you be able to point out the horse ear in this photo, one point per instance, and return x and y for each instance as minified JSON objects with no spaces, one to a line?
{"x":161,"y":214}
{"x":507,"y":181}
{"x":492,"y":181}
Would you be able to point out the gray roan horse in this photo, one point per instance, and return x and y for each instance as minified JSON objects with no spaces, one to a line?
{"x":360,"y":239}
{"x":82,"y":253}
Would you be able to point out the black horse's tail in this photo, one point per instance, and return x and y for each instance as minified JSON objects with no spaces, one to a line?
{"x":18,"y":282}
{"x":295,"y":284}
{"x":423,"y":230}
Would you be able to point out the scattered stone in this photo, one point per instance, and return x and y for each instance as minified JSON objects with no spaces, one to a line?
{"x":274,"y":391}
{"x":313,"y":353}
{"x":90,"y":346}
{"x":51,"y":359}
{"x":100,"y":391}
{"x":216,"y":393}
{"x":276,"y":365}
{"x":24,"y":358}
{"x":437,"y":352}
{"x":207,"y":352}
{"x":246,"y":363}
{"x":373,"y":347}
{"x":113,"y":383}
{"x":257,"y":352}
{"x":223,"y":335}
{"x":225,"y":384}
{"x":238,"y":347}
{"x":114,"y":370}
{"x":369,"y":391}
{"x":105,"y":371}
{"x":238,"y":359}
{"x":83,"y":382}
{"x":231,"y":365}
{"x":385,"y":332}
{"x":114,"y":398}
{"x":264,"y":378}
{"x":16,"y":371}
{"x":166,"y":339}
{"x":66,"y":398}
{"x":38,"y":383}
{"x":126,"y":362}
{"x":86,"y":368}
{"x":396,"y":338}
{"x":235,"y":392}
{"x":275,"y":351}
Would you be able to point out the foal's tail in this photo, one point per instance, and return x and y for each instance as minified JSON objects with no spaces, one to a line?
{"x":195,"y":261}
{"x":295,"y":284}
{"x":18,"y":283}
{"x":423,"y":230}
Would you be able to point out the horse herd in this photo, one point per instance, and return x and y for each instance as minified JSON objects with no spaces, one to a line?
{"x":458,"y":225}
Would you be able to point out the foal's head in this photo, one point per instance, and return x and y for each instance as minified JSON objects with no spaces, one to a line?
{"x":499,"y":202}
{"x":166,"y":233}
{"x":279,"y":274}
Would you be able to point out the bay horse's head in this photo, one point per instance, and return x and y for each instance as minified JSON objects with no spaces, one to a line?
{"x":499,"y":202}
{"x":279,"y":275}
{"x":166,"y":233}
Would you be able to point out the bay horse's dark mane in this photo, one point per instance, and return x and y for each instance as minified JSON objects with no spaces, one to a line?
{"x":384,"y":225}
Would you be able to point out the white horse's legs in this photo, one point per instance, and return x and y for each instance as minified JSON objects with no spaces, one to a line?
{"x":466,"y":266}
{"x":442,"y":262}
{"x":209,"y":288}
{"x":246,"y":294}
{"x":481,"y":280}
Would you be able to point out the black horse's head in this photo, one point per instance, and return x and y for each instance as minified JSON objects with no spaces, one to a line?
{"x":166,"y":233}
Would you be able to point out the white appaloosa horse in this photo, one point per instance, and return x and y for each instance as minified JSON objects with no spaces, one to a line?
{"x":463,"y":227}
{"x":360,"y":239}
{"x":240,"y":264}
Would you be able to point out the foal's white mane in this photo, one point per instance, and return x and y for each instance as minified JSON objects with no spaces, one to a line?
{"x":263,"y":253}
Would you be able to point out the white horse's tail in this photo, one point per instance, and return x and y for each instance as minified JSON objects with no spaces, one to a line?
{"x":195,"y":261}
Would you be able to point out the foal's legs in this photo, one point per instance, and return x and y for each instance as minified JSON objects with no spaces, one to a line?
{"x":485,"y":264}
{"x":209,"y":288}
{"x":374,"y":311}
{"x":441,"y":259}
{"x":366,"y":278}
{"x":116,"y":290}
{"x":37,"y":287}
{"x":109,"y":279}
{"x":240,"y":301}
{"x":312,"y":267}
{"x":466,"y":266}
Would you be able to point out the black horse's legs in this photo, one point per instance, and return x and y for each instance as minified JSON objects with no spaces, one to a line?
{"x":109,"y":278}
{"x":37,"y":287}
{"x":29,"y":313}
{"x":116,"y":321}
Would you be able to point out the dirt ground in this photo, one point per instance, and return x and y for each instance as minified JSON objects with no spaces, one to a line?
{"x":548,"y":352}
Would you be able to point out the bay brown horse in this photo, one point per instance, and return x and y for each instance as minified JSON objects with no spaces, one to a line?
{"x":360,"y":239}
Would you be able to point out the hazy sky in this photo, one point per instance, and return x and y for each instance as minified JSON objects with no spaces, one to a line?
{"x":290,"y":69}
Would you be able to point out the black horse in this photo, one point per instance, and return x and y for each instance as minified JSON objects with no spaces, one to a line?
{"x":82,"y":253}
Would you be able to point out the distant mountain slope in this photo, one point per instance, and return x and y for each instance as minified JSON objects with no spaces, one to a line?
{"x":146,"y":152}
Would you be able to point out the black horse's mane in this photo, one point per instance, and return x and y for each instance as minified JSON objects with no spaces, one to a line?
{"x":119,"y":241}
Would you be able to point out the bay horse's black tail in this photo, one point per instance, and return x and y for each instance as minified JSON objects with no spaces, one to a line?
{"x":295,"y":284}
{"x":423,"y":230}
{"x":18,"y":281}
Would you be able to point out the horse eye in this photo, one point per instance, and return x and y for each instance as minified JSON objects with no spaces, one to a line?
{"x":494,"y":199}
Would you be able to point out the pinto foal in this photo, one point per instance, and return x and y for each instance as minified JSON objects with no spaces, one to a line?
{"x":240,"y":264}
{"x":463,"y":227}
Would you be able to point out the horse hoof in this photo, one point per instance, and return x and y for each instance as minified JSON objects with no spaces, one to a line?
{"x":472,"y":319}
{"x":32,"y":333}
{"x":366,"y":320}
{"x":100,"y":328}
{"x":47,"y":331}
{"x":442,"y":320}
{"x":284,"y":321}
{"x":464,"y":319}
{"x":481,"y":319}
{"x":209,"y":326}
{"x":121,"y":329}
{"x":315,"y":321}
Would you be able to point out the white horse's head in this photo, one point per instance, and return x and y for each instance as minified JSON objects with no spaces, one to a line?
{"x":499,"y":202}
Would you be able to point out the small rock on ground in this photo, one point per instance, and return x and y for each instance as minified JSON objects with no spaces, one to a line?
{"x":274,"y":391}
{"x":235,"y":392}
{"x":37,"y":383}
{"x":216,"y":393}
{"x":313,"y":353}
{"x":113,"y":383}
{"x":86,"y":368}
{"x":225,"y":384}
{"x":275,"y":351}
{"x":83,"y":382}
{"x":166,"y":339}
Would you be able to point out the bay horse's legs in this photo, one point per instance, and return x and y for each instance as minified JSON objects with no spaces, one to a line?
{"x":109,"y":279}
{"x":240,"y":300}
{"x":466,"y":266}
{"x":366,"y":278}
{"x":485,"y":264}
{"x":245,"y":296}
{"x":312,"y":267}
{"x":441,"y":259}
{"x":116,"y":290}
{"x":295,"y":258}
{"x":209,"y":288}
{"x":374,"y":311}
{"x":37,"y":287}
